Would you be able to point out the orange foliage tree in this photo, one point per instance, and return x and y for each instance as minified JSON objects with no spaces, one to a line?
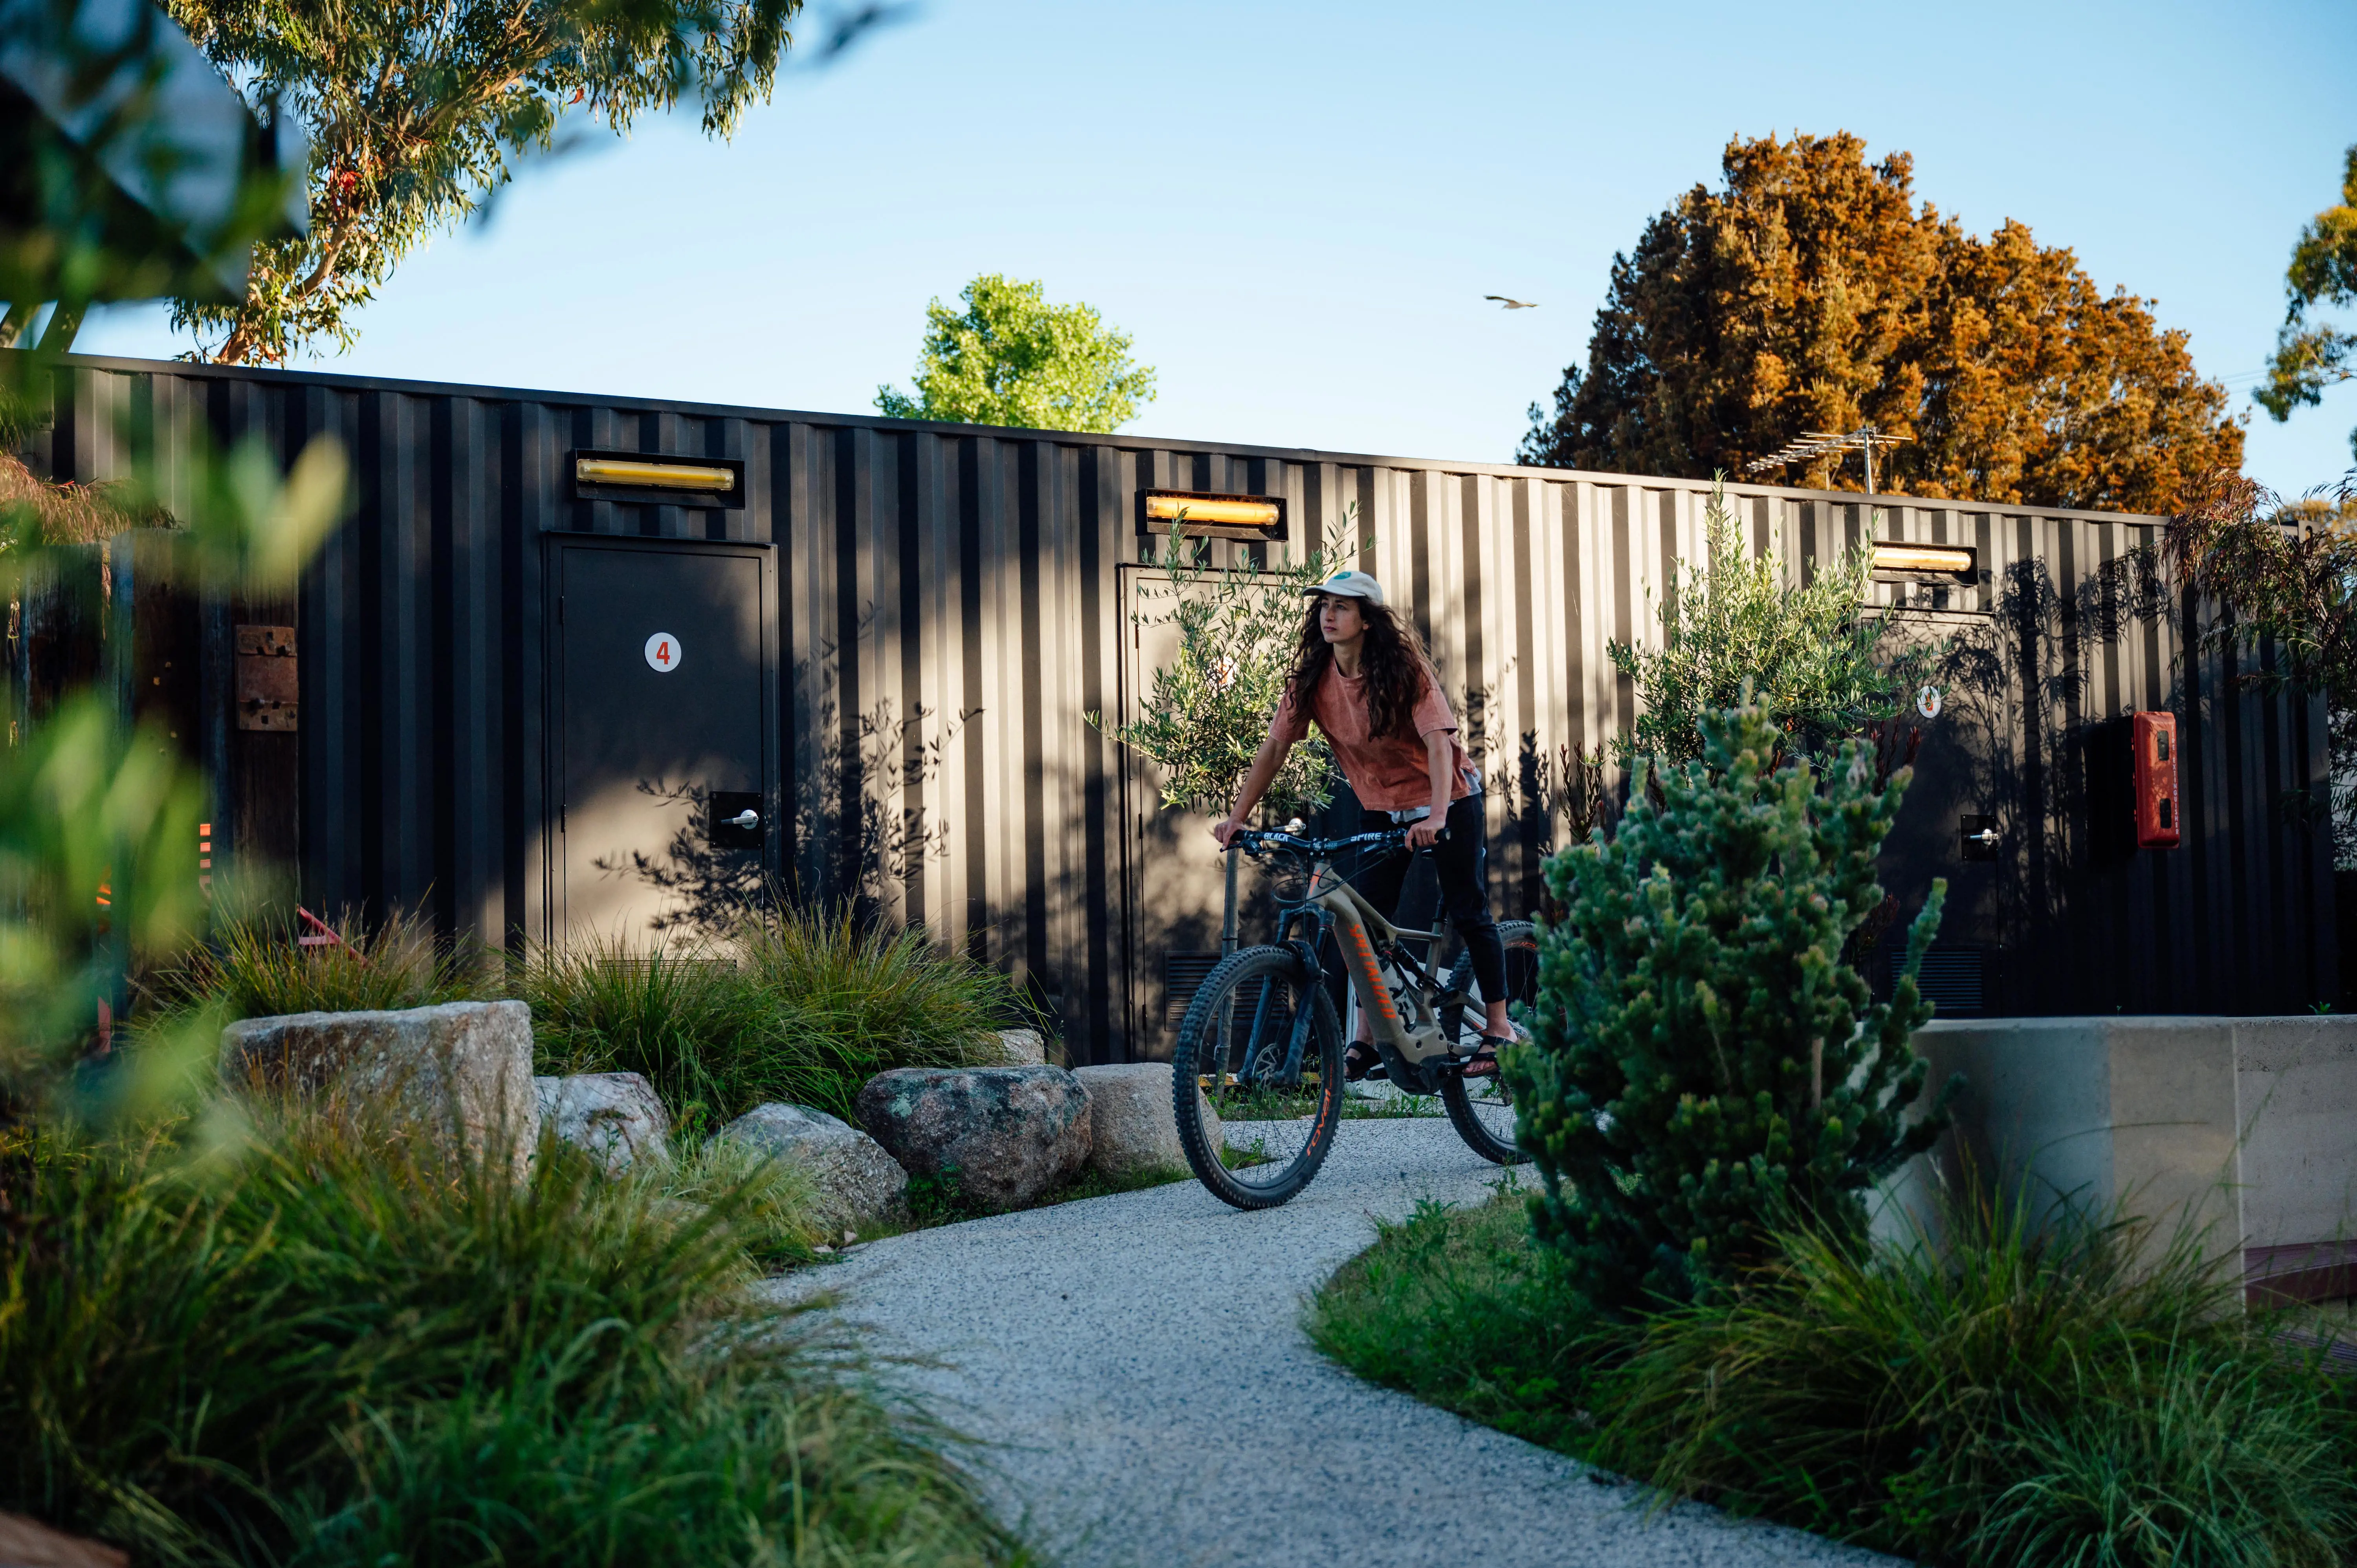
{"x":1812,"y":293}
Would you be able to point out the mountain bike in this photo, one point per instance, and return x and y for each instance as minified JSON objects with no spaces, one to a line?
{"x":1257,"y":1075}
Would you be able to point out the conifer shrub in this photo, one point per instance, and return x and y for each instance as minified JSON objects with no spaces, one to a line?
{"x":1704,"y":1067}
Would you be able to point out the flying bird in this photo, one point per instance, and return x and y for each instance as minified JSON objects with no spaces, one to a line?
{"x":1514,"y":303}
{"x":845,"y":30}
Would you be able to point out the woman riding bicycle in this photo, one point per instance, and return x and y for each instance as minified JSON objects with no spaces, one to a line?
{"x":1361,"y":673}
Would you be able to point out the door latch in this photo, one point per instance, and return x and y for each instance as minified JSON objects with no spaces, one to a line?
{"x":1981,"y":837}
{"x":736,"y":819}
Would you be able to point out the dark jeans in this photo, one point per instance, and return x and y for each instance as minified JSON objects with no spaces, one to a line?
{"x":1462,"y":859}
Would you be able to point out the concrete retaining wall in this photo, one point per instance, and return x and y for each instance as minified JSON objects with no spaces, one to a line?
{"x":2245,"y":1126}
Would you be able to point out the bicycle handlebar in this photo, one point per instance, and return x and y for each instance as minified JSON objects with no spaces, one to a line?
{"x":1253,"y":839}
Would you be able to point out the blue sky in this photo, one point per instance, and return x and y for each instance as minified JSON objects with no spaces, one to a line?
{"x":1296,"y":208}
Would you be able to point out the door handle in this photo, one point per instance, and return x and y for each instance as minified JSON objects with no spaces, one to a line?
{"x":748,"y":819}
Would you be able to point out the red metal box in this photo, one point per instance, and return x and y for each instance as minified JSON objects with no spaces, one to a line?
{"x":2155,"y":780}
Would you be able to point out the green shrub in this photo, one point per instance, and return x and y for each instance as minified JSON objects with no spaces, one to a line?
{"x":1703,"y":1062}
{"x":1235,"y":629}
{"x":1812,"y":655}
{"x":322,"y":1348}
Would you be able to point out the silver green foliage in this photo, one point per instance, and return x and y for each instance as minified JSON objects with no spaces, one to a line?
{"x":1811,"y":656}
{"x":1209,"y":708}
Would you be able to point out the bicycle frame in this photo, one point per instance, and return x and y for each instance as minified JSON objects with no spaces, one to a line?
{"x":1399,"y":998}
{"x":1395,"y":997}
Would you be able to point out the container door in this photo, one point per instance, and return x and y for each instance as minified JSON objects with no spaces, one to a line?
{"x":1175,"y":869}
{"x":1176,"y":873}
{"x":664,"y":741}
{"x":1958,"y":820}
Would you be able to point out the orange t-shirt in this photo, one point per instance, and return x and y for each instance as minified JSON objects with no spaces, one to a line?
{"x":1388,"y":773}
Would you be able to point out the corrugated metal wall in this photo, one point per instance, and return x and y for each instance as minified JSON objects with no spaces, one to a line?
{"x":953,"y":604}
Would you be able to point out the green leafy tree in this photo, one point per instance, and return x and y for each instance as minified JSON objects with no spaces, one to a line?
{"x":1810,"y":294}
{"x":1210,"y":707}
{"x":419,"y":111}
{"x":2312,"y":355}
{"x":1011,"y":358}
{"x":1737,"y":631}
{"x":1704,"y":1067}
{"x":96,"y":201}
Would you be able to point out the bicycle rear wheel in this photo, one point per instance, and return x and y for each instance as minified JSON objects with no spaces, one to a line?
{"x":1481,"y":1108}
{"x":1255,"y":1123}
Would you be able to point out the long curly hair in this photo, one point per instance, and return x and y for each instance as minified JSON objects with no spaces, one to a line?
{"x":1398,"y":669}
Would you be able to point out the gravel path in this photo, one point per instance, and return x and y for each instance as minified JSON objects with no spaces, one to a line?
{"x":1137,"y":1365}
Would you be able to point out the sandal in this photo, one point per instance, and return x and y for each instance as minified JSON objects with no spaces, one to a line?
{"x":1359,"y":1061}
{"x":1483,"y":1062}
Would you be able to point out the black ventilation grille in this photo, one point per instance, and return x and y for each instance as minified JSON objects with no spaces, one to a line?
{"x":1182,"y":974}
{"x":1951,"y":979}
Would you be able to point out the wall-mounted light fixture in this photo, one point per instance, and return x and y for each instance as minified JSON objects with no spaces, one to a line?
{"x":1206,"y":515}
{"x":651,"y":479}
{"x":1894,"y":561}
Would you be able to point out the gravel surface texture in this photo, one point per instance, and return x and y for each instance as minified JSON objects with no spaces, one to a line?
{"x":1137,"y":1366}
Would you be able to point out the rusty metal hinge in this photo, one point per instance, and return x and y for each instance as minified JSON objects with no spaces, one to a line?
{"x":269,"y":689}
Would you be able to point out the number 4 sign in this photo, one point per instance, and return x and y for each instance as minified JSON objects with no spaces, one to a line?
{"x":663,"y":653}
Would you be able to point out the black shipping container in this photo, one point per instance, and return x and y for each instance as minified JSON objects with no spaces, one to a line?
{"x":893,"y":631}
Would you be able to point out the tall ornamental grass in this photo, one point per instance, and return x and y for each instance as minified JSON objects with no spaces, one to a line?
{"x":317,"y":1345}
{"x":793,"y":1005}
{"x":2086,"y":1395}
{"x":797,"y":1006}
{"x":856,"y":1000}
{"x":255,"y":966}
{"x":674,"y":1012}
{"x":2089,"y":1396}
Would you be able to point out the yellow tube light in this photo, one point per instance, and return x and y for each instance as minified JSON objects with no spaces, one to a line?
{"x":635,"y":473}
{"x":1234,"y":511}
{"x":1921,"y":558}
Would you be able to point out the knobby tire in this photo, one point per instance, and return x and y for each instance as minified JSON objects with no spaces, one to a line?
{"x":1458,"y":1095}
{"x":1321,"y":1052}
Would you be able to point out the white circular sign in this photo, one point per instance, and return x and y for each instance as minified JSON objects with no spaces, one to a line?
{"x":1927,"y":702}
{"x":663,"y":652}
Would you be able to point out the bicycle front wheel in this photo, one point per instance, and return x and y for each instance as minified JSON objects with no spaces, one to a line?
{"x":1481,"y":1108}
{"x":1255,"y":1115}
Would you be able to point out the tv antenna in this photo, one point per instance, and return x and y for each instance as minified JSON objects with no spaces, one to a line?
{"x":1817,"y":443}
